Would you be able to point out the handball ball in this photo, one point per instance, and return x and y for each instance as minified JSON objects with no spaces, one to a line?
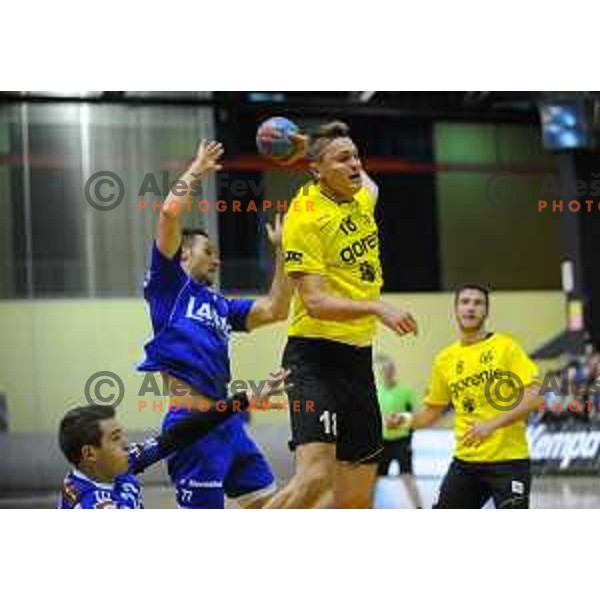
{"x":273,"y":137}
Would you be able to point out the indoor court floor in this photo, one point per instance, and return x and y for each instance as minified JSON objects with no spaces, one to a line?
{"x":548,"y":492}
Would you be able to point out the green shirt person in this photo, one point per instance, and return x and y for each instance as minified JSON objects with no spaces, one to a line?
{"x":395,"y":400}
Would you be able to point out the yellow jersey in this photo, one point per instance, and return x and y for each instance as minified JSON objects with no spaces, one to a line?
{"x":340,"y":242}
{"x":460,"y":375}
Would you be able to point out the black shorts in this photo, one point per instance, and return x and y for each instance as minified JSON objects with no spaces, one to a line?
{"x":400,"y":450}
{"x":333,"y":398}
{"x":471,"y":485}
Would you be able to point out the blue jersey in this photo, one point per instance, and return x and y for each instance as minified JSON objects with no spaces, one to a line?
{"x":192,"y":325}
{"x":79,"y":491}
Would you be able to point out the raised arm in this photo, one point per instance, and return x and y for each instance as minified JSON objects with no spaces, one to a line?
{"x":276,"y":305}
{"x":168,"y":235}
{"x":370,"y":185}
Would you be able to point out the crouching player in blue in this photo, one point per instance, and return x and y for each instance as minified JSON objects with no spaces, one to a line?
{"x":192,"y":324}
{"x":105,"y":466}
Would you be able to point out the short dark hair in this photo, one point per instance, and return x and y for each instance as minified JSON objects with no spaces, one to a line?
{"x":188,"y":233}
{"x":81,"y":427}
{"x":324,"y":134}
{"x":473,"y":286}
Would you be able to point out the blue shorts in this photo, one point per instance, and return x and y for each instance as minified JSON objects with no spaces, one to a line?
{"x":225,"y":462}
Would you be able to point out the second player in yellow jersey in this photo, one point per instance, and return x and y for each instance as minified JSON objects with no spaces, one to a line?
{"x":461,"y":375}
{"x":492,"y":385}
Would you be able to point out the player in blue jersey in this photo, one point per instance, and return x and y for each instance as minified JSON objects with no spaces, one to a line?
{"x":105,"y":466}
{"x":192,"y":324}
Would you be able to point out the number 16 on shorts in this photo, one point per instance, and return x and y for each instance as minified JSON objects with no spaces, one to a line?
{"x":329,"y":420}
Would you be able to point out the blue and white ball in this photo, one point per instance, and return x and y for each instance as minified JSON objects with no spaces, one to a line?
{"x":273,"y":137}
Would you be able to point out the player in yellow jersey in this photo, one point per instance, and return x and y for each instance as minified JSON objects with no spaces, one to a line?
{"x":492,"y":385}
{"x":331,"y":253}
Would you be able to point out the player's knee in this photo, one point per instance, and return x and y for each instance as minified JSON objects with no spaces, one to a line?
{"x":315,"y":481}
{"x":353,"y":496}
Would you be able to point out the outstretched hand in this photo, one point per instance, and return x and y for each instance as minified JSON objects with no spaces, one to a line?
{"x":272,"y":387}
{"x":274,"y":232}
{"x":300,"y":143}
{"x":207,"y":158}
{"x":399,"y":321}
